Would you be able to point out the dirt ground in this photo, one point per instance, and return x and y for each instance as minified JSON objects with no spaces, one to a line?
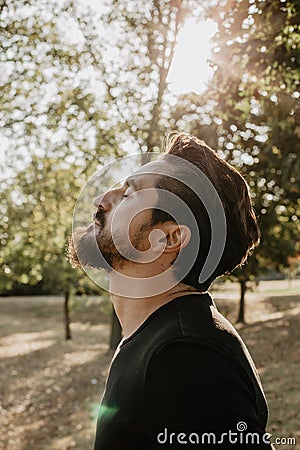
{"x":50,"y":388}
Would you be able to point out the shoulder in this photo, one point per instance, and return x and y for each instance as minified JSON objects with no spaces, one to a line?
{"x":187,"y":325}
{"x":191,"y":315}
{"x":192,"y":385}
{"x":191,"y":358}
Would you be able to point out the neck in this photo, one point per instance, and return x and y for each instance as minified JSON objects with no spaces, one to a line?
{"x":133,"y":311}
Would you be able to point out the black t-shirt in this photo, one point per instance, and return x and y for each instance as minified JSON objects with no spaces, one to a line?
{"x":183,"y":380}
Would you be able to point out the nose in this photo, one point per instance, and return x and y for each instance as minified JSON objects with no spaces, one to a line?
{"x":101,"y":203}
{"x":97,"y":200}
{"x":105,"y":201}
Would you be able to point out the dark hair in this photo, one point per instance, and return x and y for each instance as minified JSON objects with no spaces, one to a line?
{"x":242,"y":228}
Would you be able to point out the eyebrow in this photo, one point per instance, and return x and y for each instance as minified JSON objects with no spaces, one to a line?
{"x":131,"y":182}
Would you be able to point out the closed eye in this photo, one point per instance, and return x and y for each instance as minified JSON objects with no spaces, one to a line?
{"x":129,"y":188}
{"x":127,"y":193}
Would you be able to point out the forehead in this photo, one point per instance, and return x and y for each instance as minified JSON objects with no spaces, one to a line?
{"x":149,"y":174}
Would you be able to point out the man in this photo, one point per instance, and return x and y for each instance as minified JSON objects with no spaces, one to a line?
{"x":181,"y":376}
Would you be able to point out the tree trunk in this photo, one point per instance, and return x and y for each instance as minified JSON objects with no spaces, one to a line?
{"x":167,"y":56}
{"x":243,"y":288}
{"x":116,"y":332}
{"x":67,"y":315}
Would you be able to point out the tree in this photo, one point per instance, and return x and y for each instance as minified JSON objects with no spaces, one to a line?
{"x":250,"y":113}
{"x":36,"y":217}
{"x":50,"y":106}
{"x":52,"y":86}
{"x":55,"y":120}
{"x":144,"y":35}
{"x":255,"y":94}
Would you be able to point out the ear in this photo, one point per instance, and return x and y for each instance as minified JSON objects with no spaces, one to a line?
{"x":178,"y":237}
{"x":158,"y":240}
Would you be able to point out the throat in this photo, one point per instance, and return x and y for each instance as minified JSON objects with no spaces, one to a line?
{"x":133,"y":311}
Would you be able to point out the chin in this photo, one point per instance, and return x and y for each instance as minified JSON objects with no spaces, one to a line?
{"x":83,"y":250}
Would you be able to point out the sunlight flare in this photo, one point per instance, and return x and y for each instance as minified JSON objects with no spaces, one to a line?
{"x":190,"y":70}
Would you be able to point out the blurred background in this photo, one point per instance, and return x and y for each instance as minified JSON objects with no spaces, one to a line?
{"x":83,"y":82}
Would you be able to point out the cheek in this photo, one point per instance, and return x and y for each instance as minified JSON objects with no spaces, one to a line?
{"x":129,"y":220}
{"x":129,"y":215}
{"x":139,"y":231}
{"x":140,"y":220}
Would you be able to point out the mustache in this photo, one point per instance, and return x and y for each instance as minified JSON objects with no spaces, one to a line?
{"x":100,"y":217}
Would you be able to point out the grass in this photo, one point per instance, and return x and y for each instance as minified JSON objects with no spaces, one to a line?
{"x":50,"y":388}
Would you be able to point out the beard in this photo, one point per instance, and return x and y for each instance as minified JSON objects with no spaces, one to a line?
{"x":93,"y":247}
{"x":89,"y":247}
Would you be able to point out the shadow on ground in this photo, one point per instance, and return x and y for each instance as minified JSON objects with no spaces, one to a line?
{"x":51,"y":388}
{"x":273,"y":341}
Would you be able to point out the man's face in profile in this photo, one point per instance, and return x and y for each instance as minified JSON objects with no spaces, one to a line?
{"x":149,"y":228}
{"x":121,"y":226}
